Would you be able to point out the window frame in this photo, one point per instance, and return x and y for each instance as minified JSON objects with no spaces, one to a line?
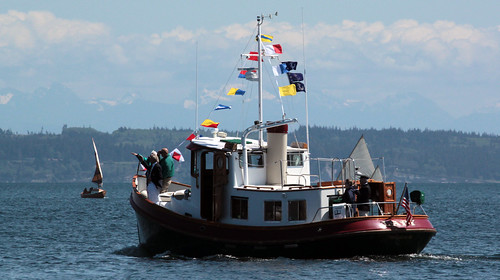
{"x":239,"y":207}
{"x":251,"y":157}
{"x":273,"y":210}
{"x":297,"y":210}
{"x":291,"y":162}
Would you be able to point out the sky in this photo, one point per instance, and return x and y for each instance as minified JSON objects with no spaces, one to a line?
{"x":354,"y":52}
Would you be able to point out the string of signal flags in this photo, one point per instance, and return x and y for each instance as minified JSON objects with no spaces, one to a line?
{"x":295,"y":80}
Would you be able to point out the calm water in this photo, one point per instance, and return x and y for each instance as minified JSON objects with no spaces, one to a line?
{"x":49,"y":232}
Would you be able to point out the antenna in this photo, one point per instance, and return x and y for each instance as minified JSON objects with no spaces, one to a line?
{"x":269,"y":16}
{"x":196,"y":86}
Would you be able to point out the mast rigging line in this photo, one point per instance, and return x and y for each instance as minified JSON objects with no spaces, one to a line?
{"x":222,"y":91}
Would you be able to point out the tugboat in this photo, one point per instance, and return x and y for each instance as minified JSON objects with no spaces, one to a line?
{"x":250,"y":197}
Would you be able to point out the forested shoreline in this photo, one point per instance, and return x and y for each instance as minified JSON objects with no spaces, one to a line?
{"x":408,"y":156}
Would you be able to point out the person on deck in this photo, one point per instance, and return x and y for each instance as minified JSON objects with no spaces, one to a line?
{"x":349,"y":197}
{"x":153,"y":175}
{"x":167,"y":168}
{"x":364,"y":196}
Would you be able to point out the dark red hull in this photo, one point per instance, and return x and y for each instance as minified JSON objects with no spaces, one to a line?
{"x":161,"y":230}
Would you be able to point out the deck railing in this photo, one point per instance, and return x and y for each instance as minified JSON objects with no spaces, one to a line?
{"x":346,"y":210}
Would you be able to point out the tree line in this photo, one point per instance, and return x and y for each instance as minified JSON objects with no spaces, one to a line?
{"x":411,"y":155}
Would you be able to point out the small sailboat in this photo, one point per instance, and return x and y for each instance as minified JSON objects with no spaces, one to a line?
{"x":97,"y":179}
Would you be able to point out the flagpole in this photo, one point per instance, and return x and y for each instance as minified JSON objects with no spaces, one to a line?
{"x":400,"y":198}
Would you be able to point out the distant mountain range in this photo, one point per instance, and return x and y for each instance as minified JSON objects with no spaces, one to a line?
{"x":48,"y":109}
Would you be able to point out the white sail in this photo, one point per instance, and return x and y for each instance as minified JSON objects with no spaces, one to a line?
{"x":377,"y":174}
{"x":361,"y":162}
{"x":98,"y":172}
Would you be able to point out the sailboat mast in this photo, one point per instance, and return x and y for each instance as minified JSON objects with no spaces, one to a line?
{"x":260,"y":19}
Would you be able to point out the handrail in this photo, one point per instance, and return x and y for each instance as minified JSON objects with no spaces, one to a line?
{"x":377,"y":212}
{"x":259,"y":126}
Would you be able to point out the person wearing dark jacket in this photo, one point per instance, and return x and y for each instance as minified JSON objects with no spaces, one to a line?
{"x":364,"y":196}
{"x":349,"y":197}
{"x":153,"y":175}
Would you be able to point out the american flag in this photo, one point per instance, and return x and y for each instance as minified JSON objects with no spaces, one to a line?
{"x":405,"y":202}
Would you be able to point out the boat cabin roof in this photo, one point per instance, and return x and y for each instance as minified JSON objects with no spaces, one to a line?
{"x":222,"y":143}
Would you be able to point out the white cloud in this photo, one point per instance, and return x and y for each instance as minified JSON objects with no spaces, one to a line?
{"x":178,"y":34}
{"x":189,"y":104}
{"x":4,"y":99}
{"x":354,"y":58}
{"x":23,"y":30}
{"x":236,"y":31}
{"x":116,"y":54}
{"x":442,"y":42}
{"x":209,"y":96}
{"x":268,"y":96}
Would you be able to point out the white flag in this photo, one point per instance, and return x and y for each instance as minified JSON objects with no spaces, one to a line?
{"x":276,"y":70}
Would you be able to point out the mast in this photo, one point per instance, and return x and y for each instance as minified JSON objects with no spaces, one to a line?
{"x":305,"y":82}
{"x":196,"y":89}
{"x":260,"y":19}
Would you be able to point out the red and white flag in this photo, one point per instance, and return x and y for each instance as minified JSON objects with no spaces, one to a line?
{"x":273,"y":49}
{"x":176,"y":154}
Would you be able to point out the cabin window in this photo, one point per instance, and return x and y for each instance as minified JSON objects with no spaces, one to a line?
{"x":294,"y":159}
{"x":296,"y":210}
{"x":239,"y":207}
{"x":254,"y":160}
{"x":207,"y":159}
{"x":272,"y":210}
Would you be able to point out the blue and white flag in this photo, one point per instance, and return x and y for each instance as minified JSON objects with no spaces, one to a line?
{"x":222,"y":107}
{"x":279,"y":69}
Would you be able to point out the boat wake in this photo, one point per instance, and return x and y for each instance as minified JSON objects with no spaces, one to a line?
{"x":217,"y":258}
{"x":436,"y":257}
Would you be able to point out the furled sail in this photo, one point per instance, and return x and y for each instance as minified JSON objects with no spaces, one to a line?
{"x":361,"y":162}
{"x":377,"y":174}
{"x":98,"y":172}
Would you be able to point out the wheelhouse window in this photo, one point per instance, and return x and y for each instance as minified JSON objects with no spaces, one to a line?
{"x":272,"y":210}
{"x":239,"y":207}
{"x":254,"y":160}
{"x":297,"y":210}
{"x":294,"y":159}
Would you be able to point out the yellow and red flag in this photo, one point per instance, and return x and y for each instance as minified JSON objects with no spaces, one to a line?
{"x":209,"y":123}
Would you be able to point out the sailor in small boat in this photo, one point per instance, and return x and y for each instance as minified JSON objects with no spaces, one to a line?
{"x":364,"y":196}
